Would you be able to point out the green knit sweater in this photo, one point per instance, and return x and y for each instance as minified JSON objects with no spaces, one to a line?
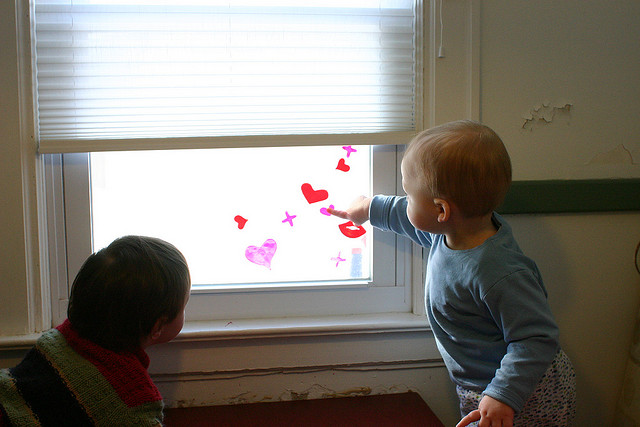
{"x":67,"y":380}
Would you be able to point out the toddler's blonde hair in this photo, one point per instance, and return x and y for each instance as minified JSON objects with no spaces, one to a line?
{"x":463,"y":161}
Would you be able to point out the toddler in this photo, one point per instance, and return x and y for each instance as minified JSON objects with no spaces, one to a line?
{"x":92,"y":369}
{"x":486,"y":301}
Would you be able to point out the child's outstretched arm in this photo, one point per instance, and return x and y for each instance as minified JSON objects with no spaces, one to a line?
{"x":387,"y":213}
{"x":358,"y":212}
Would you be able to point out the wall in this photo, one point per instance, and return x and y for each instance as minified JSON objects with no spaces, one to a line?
{"x":559,"y":82}
{"x":507,"y":63}
{"x":305,"y":366}
{"x":13,"y":253}
{"x":594,"y":291}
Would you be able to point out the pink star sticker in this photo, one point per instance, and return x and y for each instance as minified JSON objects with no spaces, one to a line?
{"x":349,"y":149}
{"x":289,"y":218}
{"x":338,"y":259}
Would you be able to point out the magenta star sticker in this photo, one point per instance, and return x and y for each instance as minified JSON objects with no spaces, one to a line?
{"x":349,"y":149}
{"x":338,"y":259}
{"x":289,"y":218}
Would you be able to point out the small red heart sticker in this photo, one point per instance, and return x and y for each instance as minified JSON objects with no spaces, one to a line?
{"x":342,"y":166}
{"x":312,"y":195}
{"x":240,"y":220}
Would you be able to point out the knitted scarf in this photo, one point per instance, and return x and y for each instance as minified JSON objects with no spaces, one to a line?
{"x":68,"y":380}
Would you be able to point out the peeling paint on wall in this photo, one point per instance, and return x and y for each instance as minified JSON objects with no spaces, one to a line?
{"x":246,"y":397}
{"x":185,"y":403}
{"x":253,"y":385}
{"x":318,"y":391}
{"x":618,"y":156}
{"x":546,"y":113}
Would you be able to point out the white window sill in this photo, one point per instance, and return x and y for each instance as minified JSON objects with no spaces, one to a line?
{"x":275,"y":327}
{"x":302,"y":326}
{"x":18,"y":342}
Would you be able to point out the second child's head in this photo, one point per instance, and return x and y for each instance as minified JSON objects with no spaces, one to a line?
{"x":130,"y":294}
{"x":463,"y":162}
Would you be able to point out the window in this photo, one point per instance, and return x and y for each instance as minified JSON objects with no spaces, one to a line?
{"x":242,"y":216}
{"x":258,"y":105}
{"x":339,"y":275}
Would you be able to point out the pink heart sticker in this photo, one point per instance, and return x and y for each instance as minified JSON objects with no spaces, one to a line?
{"x":262,"y":255}
{"x":323,"y":211}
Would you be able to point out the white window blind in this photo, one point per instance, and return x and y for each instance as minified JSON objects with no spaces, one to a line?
{"x":109,"y":71}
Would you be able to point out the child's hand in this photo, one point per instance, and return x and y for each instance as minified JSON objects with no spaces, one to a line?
{"x":490,"y":412}
{"x":358,"y":212}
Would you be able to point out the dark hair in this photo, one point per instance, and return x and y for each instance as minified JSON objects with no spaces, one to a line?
{"x":121,"y":291}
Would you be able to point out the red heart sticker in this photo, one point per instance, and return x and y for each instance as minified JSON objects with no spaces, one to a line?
{"x":312,"y":195}
{"x":351,"y":230}
{"x":342,"y":166}
{"x":241,"y":221}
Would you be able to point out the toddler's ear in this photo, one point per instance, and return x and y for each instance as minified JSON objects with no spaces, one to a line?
{"x":444,"y":209}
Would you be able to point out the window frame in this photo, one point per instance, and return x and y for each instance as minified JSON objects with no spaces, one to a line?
{"x":68,"y":244}
{"x":391,"y":291}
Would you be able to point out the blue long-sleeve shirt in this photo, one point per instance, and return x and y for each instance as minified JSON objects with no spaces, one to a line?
{"x":487,"y":307}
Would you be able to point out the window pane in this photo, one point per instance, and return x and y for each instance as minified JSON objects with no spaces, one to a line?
{"x":254,"y":215}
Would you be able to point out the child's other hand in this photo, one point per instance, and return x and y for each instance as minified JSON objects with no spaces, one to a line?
{"x":490,"y":412}
{"x":358,"y":212}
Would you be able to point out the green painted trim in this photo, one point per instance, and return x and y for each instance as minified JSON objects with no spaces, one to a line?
{"x":557,"y":196}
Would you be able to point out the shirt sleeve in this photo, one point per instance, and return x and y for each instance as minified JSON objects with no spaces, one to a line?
{"x":519,"y":306}
{"x":389,"y":213}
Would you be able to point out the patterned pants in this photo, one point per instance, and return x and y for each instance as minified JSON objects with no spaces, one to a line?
{"x":552,"y":403}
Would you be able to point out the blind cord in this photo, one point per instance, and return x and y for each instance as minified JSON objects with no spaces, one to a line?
{"x":441,"y":48}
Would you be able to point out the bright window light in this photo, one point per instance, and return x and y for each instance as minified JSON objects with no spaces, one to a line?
{"x":240,"y":216}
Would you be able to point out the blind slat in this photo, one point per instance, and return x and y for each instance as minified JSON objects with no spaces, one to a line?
{"x":140,"y":142}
